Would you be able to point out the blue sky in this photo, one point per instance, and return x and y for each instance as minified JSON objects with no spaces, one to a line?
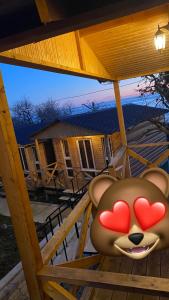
{"x":39,"y":85}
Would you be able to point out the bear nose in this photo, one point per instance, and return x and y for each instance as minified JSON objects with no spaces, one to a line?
{"x":136,"y":238}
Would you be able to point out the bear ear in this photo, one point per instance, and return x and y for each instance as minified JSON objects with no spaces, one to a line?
{"x":159,"y":177}
{"x":98,"y":186}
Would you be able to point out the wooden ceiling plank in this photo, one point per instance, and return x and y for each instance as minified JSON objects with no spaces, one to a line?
{"x":129,"y":19}
{"x":141,"y":73}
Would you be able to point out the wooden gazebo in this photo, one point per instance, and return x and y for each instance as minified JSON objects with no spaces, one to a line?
{"x":104,"y":40}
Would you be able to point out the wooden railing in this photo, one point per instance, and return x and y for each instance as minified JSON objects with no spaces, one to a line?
{"x":75,"y":272}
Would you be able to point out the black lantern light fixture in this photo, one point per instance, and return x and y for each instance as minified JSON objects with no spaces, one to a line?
{"x":160,"y":38}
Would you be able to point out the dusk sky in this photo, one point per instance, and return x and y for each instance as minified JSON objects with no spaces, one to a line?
{"x":38,"y":86}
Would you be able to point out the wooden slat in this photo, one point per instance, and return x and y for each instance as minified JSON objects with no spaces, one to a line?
{"x":109,"y":264}
{"x":139,"y":267}
{"x":153,"y":269}
{"x":164,"y":267}
{"x":107,"y":280}
{"x":125,"y":267}
{"x":18,"y":199}
{"x":51,"y":247}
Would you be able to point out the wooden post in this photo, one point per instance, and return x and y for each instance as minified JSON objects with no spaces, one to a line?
{"x":40,"y":161}
{"x":121,"y":124}
{"x":18,"y":200}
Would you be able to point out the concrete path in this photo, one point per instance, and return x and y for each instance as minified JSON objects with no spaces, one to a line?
{"x":40,"y":209}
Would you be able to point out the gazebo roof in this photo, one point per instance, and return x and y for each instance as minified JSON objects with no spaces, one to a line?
{"x":114,"y":41}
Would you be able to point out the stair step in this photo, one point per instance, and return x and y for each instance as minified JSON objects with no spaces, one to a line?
{"x":66,"y":198}
{"x":68,"y":191}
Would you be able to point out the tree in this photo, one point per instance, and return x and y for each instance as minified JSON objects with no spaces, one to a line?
{"x":47,"y":112}
{"x":66,"y":109}
{"x":157,"y":85}
{"x":92,"y":106}
{"x":23,"y":112}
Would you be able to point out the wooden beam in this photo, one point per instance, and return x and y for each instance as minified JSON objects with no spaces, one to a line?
{"x":162,"y":157}
{"x":141,"y":159}
{"x":78,"y":21}
{"x":83,"y":262}
{"x":53,"y":244}
{"x":107,"y":280}
{"x":79,"y":50}
{"x":121,"y":123}
{"x":53,"y":172}
{"x":57,"y":292}
{"x":26,"y":61}
{"x":40,"y":160}
{"x":148,"y":145}
{"x":18,"y":200}
{"x":43,"y":10}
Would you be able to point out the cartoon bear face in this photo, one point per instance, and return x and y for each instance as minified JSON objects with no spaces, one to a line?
{"x":131,"y":215}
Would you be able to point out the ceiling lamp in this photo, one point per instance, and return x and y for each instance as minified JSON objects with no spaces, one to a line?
{"x":159,"y":38}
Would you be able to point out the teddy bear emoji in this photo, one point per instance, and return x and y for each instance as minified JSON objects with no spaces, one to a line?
{"x":131,"y":216}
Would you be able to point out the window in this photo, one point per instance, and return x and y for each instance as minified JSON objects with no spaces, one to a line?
{"x":86,"y":156}
{"x":67,"y":158}
{"x":107,"y":149}
{"x":23,"y":158}
{"x":49,"y":152}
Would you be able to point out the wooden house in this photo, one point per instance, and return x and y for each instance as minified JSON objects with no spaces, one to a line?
{"x":82,"y":145}
{"x":103,"y":40}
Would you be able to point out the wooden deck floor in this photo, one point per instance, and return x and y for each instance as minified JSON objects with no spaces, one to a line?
{"x":156,"y":264}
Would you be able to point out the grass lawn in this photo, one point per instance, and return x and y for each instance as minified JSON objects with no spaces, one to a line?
{"x":9,"y":255}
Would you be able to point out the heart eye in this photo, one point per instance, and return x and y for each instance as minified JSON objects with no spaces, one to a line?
{"x":117,"y":219}
{"x":148,"y":214}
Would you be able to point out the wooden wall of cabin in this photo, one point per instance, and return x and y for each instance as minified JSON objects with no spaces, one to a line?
{"x":60,"y":159}
{"x":75,"y":158}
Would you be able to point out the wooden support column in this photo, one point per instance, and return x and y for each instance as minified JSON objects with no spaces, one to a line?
{"x":121,"y":124}
{"x":18,"y":200}
{"x":40,"y":161}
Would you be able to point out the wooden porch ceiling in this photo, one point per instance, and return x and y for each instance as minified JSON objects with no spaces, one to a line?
{"x":119,"y":48}
{"x":126,"y":46}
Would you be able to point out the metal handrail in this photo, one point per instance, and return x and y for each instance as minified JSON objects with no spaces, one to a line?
{"x":57,"y":213}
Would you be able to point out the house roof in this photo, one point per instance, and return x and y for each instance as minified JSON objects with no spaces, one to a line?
{"x":23,"y":133}
{"x":149,"y":153}
{"x":106,"y":121}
